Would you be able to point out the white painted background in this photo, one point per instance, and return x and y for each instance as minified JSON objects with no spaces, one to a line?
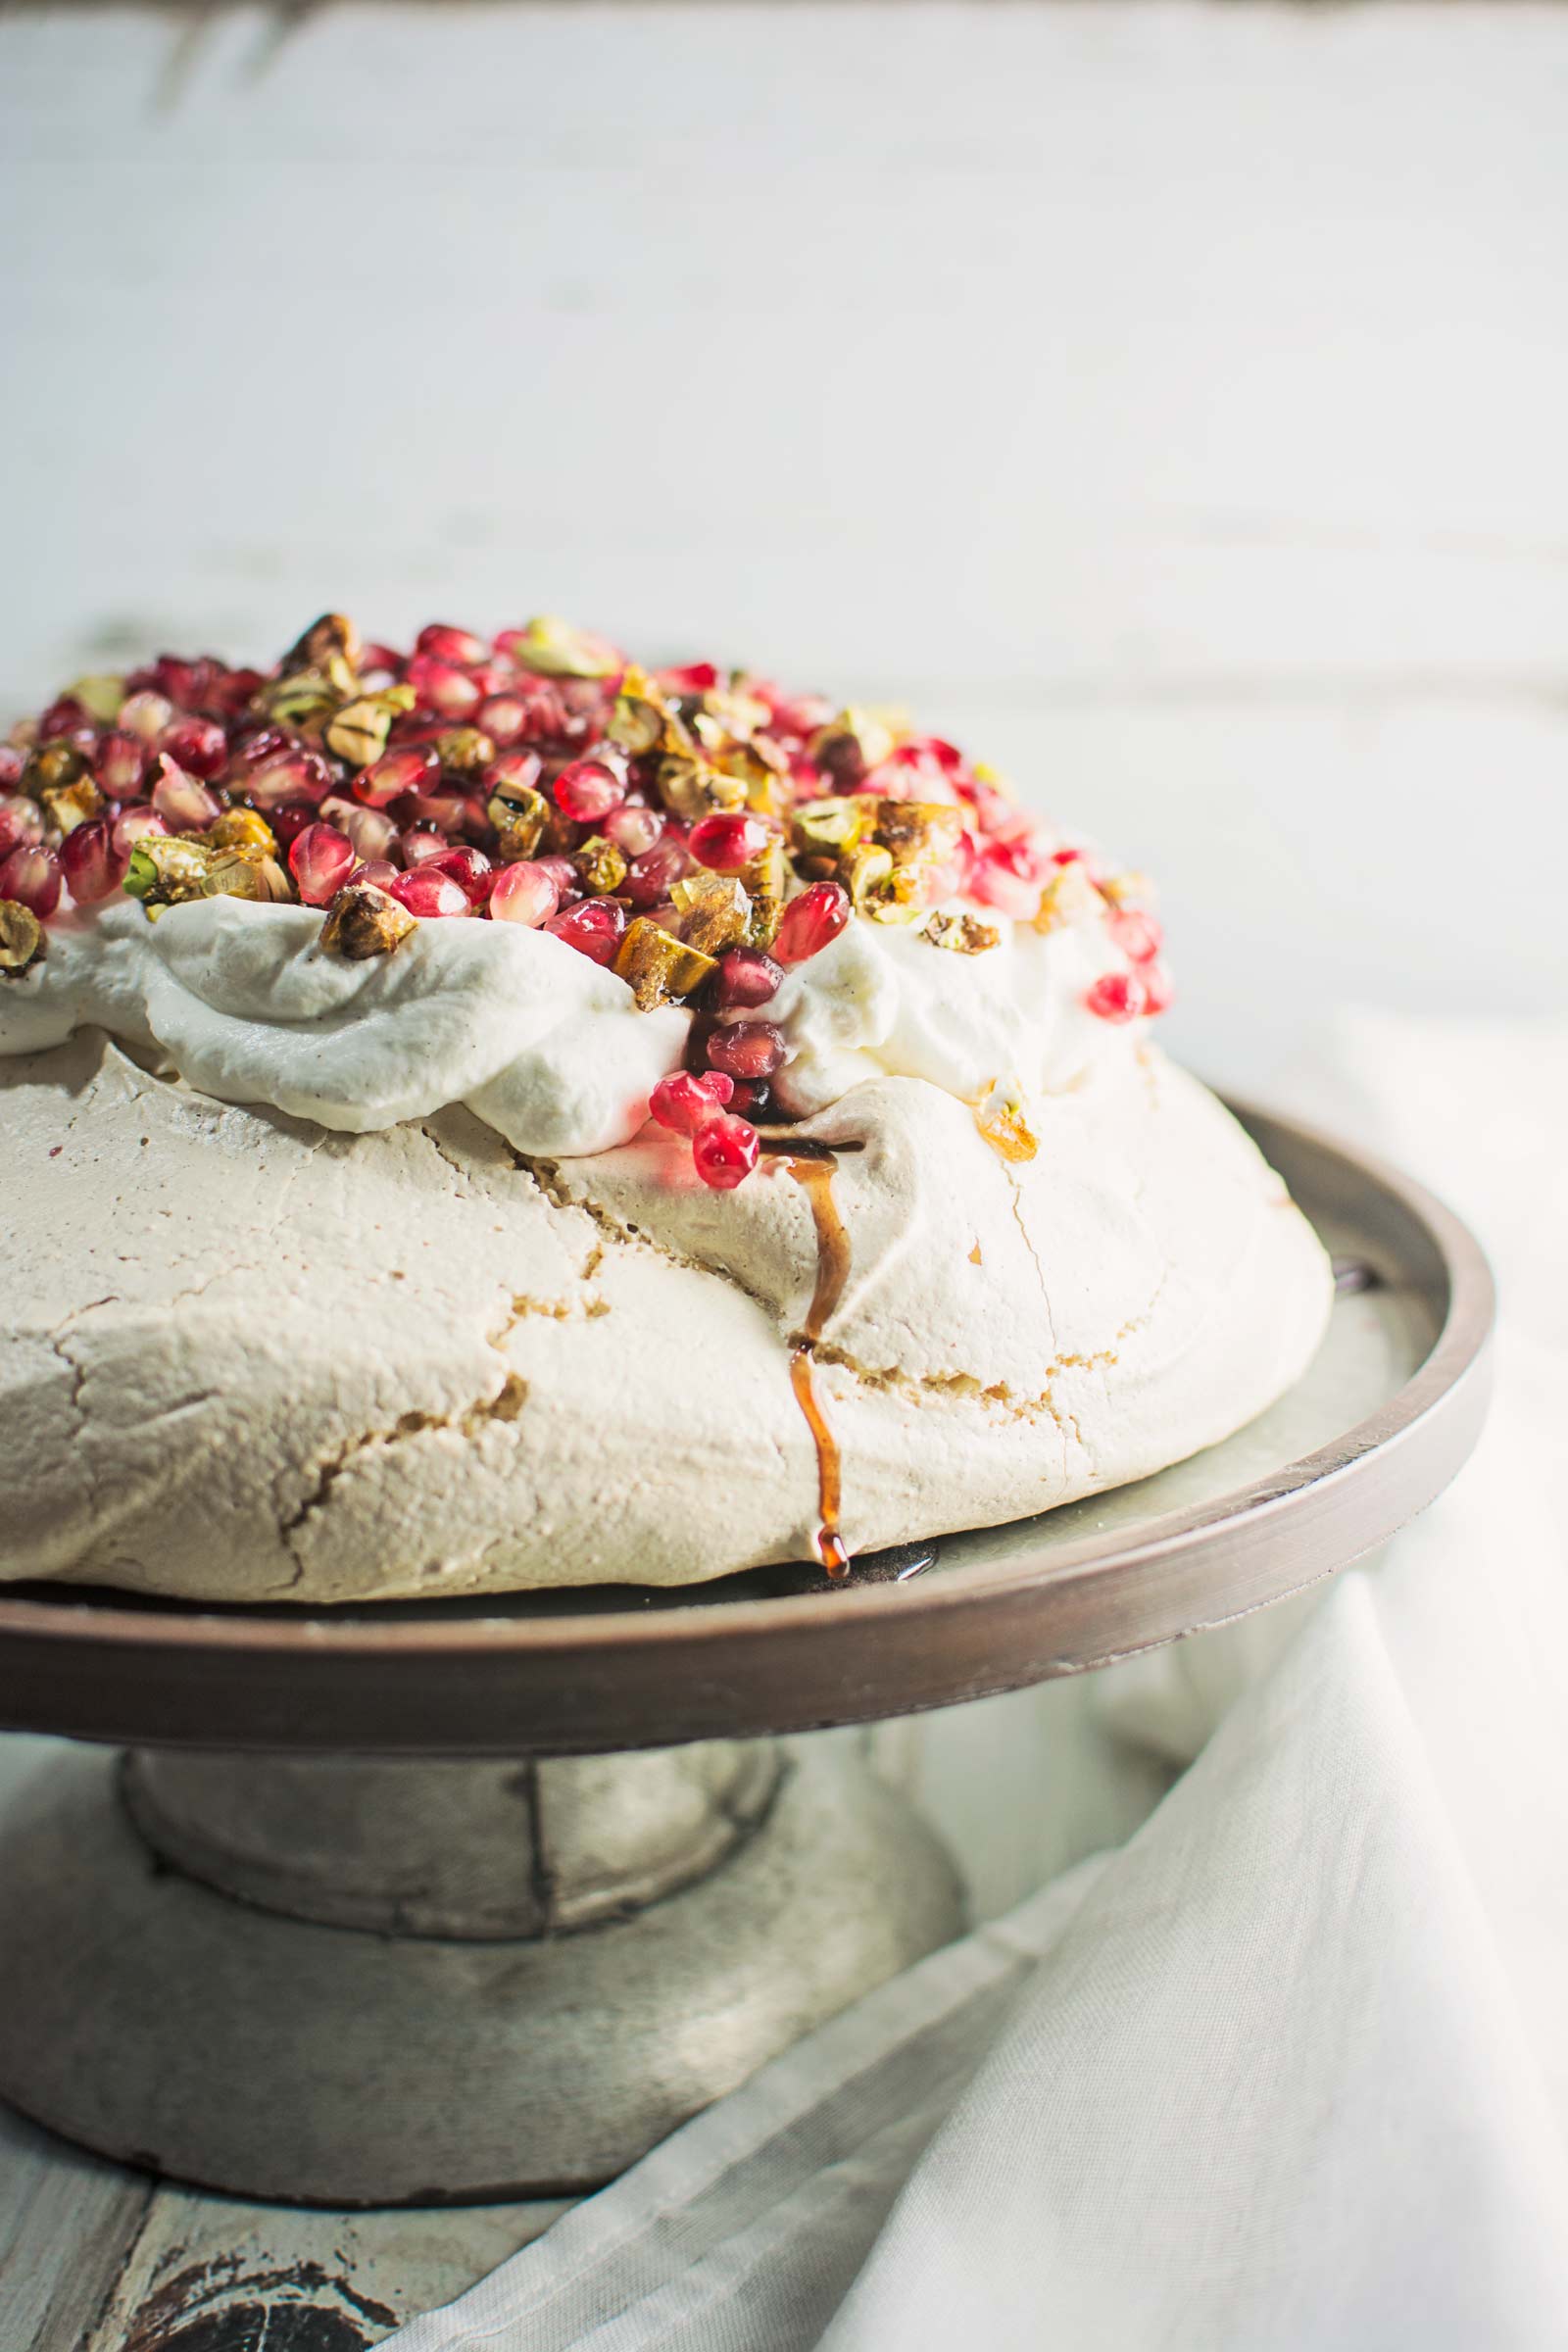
{"x":1169,"y":399}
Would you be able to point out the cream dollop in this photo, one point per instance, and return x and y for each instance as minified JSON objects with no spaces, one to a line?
{"x":882,"y":1001}
{"x":542,"y":1043}
{"x":242,"y":1001}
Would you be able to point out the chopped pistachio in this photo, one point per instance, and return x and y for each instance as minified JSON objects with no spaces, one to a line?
{"x":333,"y":638}
{"x":465,"y":749}
{"x":519,"y":815}
{"x":556,"y":650}
{"x":21,"y":937}
{"x":99,"y":696}
{"x":694,"y":788}
{"x":364,"y":921}
{"x":824,"y":828}
{"x":50,"y":766}
{"x":640,"y":720}
{"x":243,"y":872}
{"x":167,"y":868}
{"x":658,"y":966}
{"x":600,"y":866}
{"x":763,"y":877}
{"x":358,"y":732}
{"x":864,"y":871}
{"x":739,"y":713}
{"x":307,"y":698}
{"x":716,"y":912}
{"x":965,"y":934}
{"x":1068,"y":898}
{"x":889,"y":908}
{"x":763,"y":929}
{"x":999,"y":1116}
{"x":170,"y":869}
{"x":241,"y":829}
{"x":849,"y":746}
{"x":68,"y":805}
{"x":917,"y":832}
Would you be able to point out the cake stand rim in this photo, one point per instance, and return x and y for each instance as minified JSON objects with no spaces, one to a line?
{"x":1435,"y":1412}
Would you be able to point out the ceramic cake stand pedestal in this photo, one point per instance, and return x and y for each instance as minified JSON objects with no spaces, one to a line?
{"x":409,"y":1903}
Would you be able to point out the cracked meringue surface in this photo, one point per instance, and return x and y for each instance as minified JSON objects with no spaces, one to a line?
{"x":248,"y":1356}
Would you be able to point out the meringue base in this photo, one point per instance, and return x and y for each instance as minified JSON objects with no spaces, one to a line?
{"x":246,"y":1358}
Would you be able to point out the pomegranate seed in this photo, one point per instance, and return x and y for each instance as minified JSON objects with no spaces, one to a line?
{"x":197,"y":744}
{"x":441,"y":811}
{"x":471,"y":869}
{"x":587,"y":791}
{"x":525,"y":893}
{"x":451,"y":645}
{"x":441,"y":686}
{"x":290,"y":820}
{"x":61,"y":718}
{"x":31,"y":874}
{"x":563,"y":874}
{"x":747,"y":977}
{"x":421,"y":845}
{"x":1158,"y":990}
{"x":724,"y":1152}
{"x":291,"y":775}
{"x":1117,"y":997}
{"x":1137,"y":935}
{"x":811,"y":922}
{"x":146,"y":715}
{"x":491,"y":677}
{"x":688,"y":1098}
{"x":370,"y":830}
{"x":379,"y":870}
{"x":519,"y":768}
{"x":428,"y":892}
{"x":183,"y":802}
{"x":379,"y":660}
{"x":122,"y":765}
{"x":394,"y":774}
{"x":92,"y":864}
{"x":727,"y":843}
{"x":21,"y":823}
{"x":320,"y":859}
{"x":745,"y":1048}
{"x":754,"y":1099}
{"x":1066,"y":857}
{"x":633,"y":828}
{"x":651,"y":877}
{"x":10,"y":768}
{"x":693,"y":677}
{"x":505,"y":719}
{"x":594,"y":927}
{"x":133,"y":825}
{"x":1009,"y":875}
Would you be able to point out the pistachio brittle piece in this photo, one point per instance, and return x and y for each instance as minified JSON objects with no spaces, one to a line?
{"x":1069,"y":898}
{"x":1000,"y":1116}
{"x":715,"y":912}
{"x":657,"y":966}
{"x":965,"y":934}
{"x":358,"y":732}
{"x":601,"y":867}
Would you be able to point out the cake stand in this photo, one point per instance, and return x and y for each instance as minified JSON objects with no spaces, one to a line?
{"x":409,"y":1904}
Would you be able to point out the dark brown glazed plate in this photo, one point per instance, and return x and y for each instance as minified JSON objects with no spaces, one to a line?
{"x":1374,"y":1429}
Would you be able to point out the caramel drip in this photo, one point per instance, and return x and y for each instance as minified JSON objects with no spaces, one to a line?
{"x":816,"y":1178}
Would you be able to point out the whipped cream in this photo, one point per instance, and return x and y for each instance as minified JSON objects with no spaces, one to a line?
{"x":542,"y":1043}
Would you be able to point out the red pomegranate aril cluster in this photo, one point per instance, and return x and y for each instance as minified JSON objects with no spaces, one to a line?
{"x":30,"y":874}
{"x":687,"y":1100}
{"x":811,"y":922}
{"x":1117,"y":997}
{"x":320,"y":858}
{"x":747,"y":978}
{"x":727,"y":844}
{"x":745,"y":1048}
{"x":587,"y":791}
{"x":525,"y":892}
{"x":92,"y":860}
{"x":595,"y":927}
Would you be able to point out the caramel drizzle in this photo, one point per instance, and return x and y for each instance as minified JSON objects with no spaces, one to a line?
{"x":814,"y":1175}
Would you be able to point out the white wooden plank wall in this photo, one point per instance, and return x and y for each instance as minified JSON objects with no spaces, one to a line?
{"x":1170,"y":398}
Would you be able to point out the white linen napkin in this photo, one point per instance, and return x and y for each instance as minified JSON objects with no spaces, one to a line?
{"x":1287,"y":2069}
